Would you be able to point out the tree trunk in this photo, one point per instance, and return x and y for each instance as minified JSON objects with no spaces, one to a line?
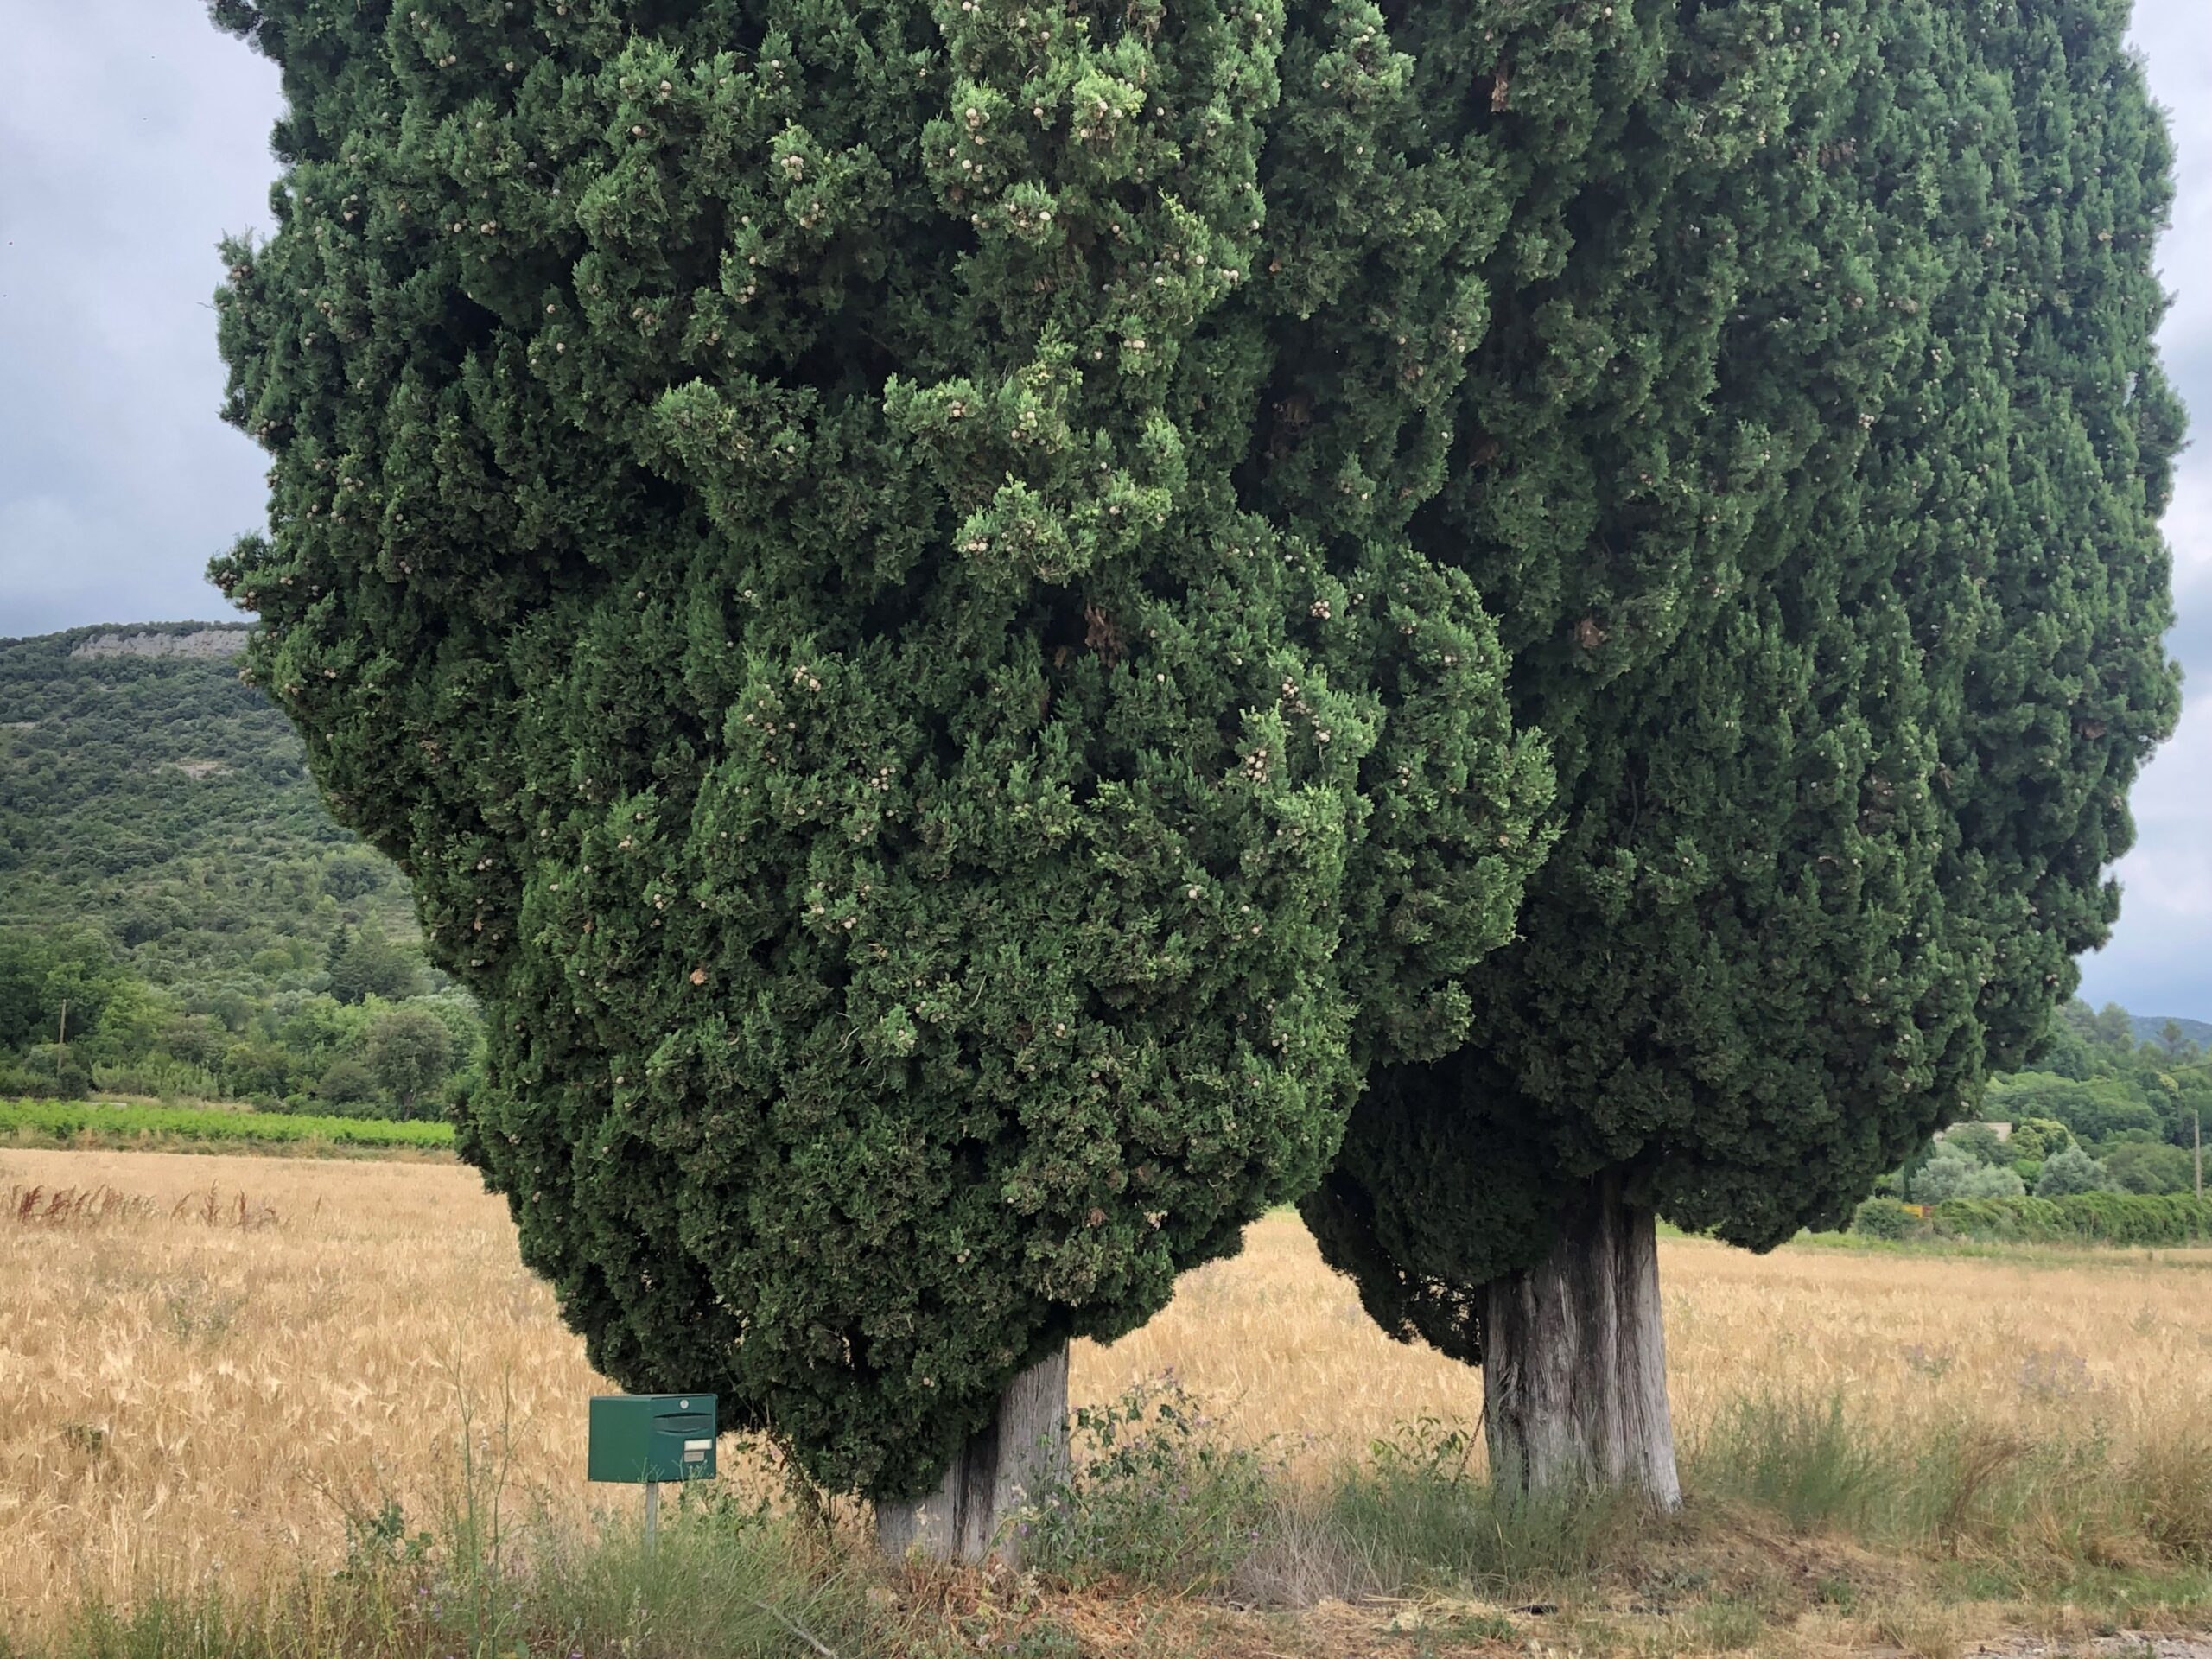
{"x":1575,"y":1358}
{"x":1008,"y":1461}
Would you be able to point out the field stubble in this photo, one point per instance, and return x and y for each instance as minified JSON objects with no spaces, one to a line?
{"x":199,"y":1390}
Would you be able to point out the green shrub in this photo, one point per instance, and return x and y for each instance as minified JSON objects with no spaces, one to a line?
{"x":1417,"y":1516}
{"x":2090,"y":1111}
{"x":1886,"y":1218}
{"x":2148,"y":1167}
{"x":2065,"y":1172}
{"x":1951,"y":1174}
{"x":2036,"y":1139}
{"x":159,"y":1075}
{"x":347,"y":1082}
{"x":1801,"y":1458}
{"x":1156,"y":1495}
{"x":1978,"y":1141}
{"x":2086,"y":1218}
{"x":19,"y":1080}
{"x":49,"y":1069}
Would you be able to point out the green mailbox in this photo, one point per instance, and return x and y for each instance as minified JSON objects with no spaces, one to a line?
{"x":650,"y":1437}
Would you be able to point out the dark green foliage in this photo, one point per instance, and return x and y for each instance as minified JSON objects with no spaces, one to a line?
{"x":354,"y":875}
{"x":2111,"y":1026}
{"x":68,"y":973}
{"x":1885,"y":1218}
{"x":2110,"y":1081}
{"x":345,"y":1083}
{"x":2149,"y":1166}
{"x":410,"y":1052}
{"x":2074,"y":1214}
{"x":2065,"y":1051}
{"x":2095,"y":1110}
{"x":1817,"y":491}
{"x":809,"y":530}
{"x":360,"y":965}
{"x":1978,"y":1141}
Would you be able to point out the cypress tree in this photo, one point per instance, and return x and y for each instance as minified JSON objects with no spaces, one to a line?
{"x":1817,"y":492}
{"x":771,"y":528}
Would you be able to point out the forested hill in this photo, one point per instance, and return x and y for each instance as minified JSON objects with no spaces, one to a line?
{"x":147,"y":794}
{"x":2151,"y":1028}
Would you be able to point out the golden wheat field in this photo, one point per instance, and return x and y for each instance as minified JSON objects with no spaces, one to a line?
{"x":193,"y":1387}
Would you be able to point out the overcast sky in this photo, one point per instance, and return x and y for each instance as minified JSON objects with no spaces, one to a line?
{"x":133,"y":134}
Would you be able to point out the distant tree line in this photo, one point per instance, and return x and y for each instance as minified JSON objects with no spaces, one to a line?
{"x":362,"y":1035}
{"x":2100,"y":1112}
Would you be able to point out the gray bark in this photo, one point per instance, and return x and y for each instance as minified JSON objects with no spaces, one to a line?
{"x":1574,"y":1359}
{"x":1011,"y":1460}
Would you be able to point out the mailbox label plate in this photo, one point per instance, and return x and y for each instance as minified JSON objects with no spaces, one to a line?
{"x":638,"y":1438}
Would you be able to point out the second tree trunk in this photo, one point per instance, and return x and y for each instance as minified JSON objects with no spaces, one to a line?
{"x":1575,"y":1358}
{"x":1007,"y":1462}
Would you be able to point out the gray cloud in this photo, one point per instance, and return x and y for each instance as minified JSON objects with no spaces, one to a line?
{"x":2160,"y":957}
{"x":134,"y":134}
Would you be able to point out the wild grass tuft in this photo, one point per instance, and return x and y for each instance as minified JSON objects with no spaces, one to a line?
{"x":2032,"y":1516}
{"x":1158,"y":1494}
{"x":1417,"y":1515}
{"x":720,"y":1582}
{"x":1801,"y":1458}
{"x":2170,"y":1481}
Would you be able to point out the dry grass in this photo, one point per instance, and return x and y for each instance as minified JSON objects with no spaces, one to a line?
{"x":183,"y":1395}
{"x":182,"y":1399}
{"x":81,"y":1206}
{"x":2038,"y":1343}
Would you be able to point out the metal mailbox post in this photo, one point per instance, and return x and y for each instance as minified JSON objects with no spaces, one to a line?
{"x":644,"y":1438}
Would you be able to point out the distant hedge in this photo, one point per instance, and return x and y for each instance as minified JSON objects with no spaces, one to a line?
{"x":2088,"y":1218}
{"x":67,"y":1119}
